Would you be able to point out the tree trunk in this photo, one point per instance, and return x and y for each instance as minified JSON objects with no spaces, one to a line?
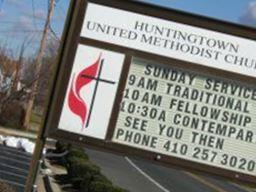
{"x":38,"y":63}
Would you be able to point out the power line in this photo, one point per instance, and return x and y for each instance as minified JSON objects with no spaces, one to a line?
{"x":22,"y":31}
{"x":33,"y":13}
{"x":53,"y":33}
{"x":17,"y":21}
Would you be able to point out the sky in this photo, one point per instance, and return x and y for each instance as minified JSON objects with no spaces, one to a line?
{"x":236,"y":11}
{"x":24,"y":19}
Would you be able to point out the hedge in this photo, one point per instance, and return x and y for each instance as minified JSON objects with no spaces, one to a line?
{"x":84,"y":175}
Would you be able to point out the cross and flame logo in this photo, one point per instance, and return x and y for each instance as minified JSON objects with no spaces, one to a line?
{"x":76,"y":103}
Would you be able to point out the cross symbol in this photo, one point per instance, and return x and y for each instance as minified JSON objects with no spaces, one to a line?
{"x":98,"y":80}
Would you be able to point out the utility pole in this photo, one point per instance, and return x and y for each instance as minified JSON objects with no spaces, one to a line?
{"x":38,"y":65}
{"x":35,"y":162}
{"x":17,"y":69}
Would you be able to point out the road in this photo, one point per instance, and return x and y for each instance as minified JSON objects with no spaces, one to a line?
{"x":142,"y":176}
{"x":14,"y":166}
{"x":134,"y":175}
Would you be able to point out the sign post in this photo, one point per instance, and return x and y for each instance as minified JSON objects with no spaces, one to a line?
{"x":35,"y":163}
{"x":166,"y":86}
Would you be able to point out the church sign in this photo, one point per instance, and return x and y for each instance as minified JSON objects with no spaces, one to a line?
{"x":166,"y":86}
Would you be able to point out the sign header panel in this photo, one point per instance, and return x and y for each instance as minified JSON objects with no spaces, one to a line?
{"x":170,"y":39}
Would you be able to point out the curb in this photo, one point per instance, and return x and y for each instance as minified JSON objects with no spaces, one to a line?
{"x":47,"y":183}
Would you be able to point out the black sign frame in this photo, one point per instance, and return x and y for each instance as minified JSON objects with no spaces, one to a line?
{"x":70,"y":41}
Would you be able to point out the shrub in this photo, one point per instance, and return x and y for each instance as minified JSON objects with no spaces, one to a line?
{"x":100,"y":187}
{"x":61,"y":146}
{"x":104,"y":187}
{"x":79,"y":166}
{"x":101,"y":178}
{"x":83,"y":174}
{"x":13,"y":115}
{"x":77,"y":152}
{"x":82,"y":182}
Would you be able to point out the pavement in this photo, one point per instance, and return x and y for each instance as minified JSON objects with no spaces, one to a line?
{"x":55,"y":170}
{"x":138,"y":175}
{"x":14,"y":165}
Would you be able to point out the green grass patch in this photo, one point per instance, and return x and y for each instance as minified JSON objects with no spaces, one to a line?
{"x":35,"y":118}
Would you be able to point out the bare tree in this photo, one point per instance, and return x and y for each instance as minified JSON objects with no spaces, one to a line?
{"x":38,"y":65}
{"x":22,"y":75}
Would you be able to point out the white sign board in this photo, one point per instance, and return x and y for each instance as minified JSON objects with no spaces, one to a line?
{"x":91,"y":92}
{"x":189,"y":116}
{"x":158,"y":88}
{"x":170,"y":39}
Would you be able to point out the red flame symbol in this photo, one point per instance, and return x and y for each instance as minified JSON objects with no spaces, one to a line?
{"x":75,"y":102}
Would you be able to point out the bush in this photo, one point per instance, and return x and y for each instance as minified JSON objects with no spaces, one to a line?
{"x":101,"y":178}
{"x":87,"y":177}
{"x":61,"y":146}
{"x":73,"y":151}
{"x":83,"y":174}
{"x":79,"y":166}
{"x":13,"y":115}
{"x":77,"y":152}
{"x":100,"y":187}
{"x":5,"y":187}
{"x":104,"y":187}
